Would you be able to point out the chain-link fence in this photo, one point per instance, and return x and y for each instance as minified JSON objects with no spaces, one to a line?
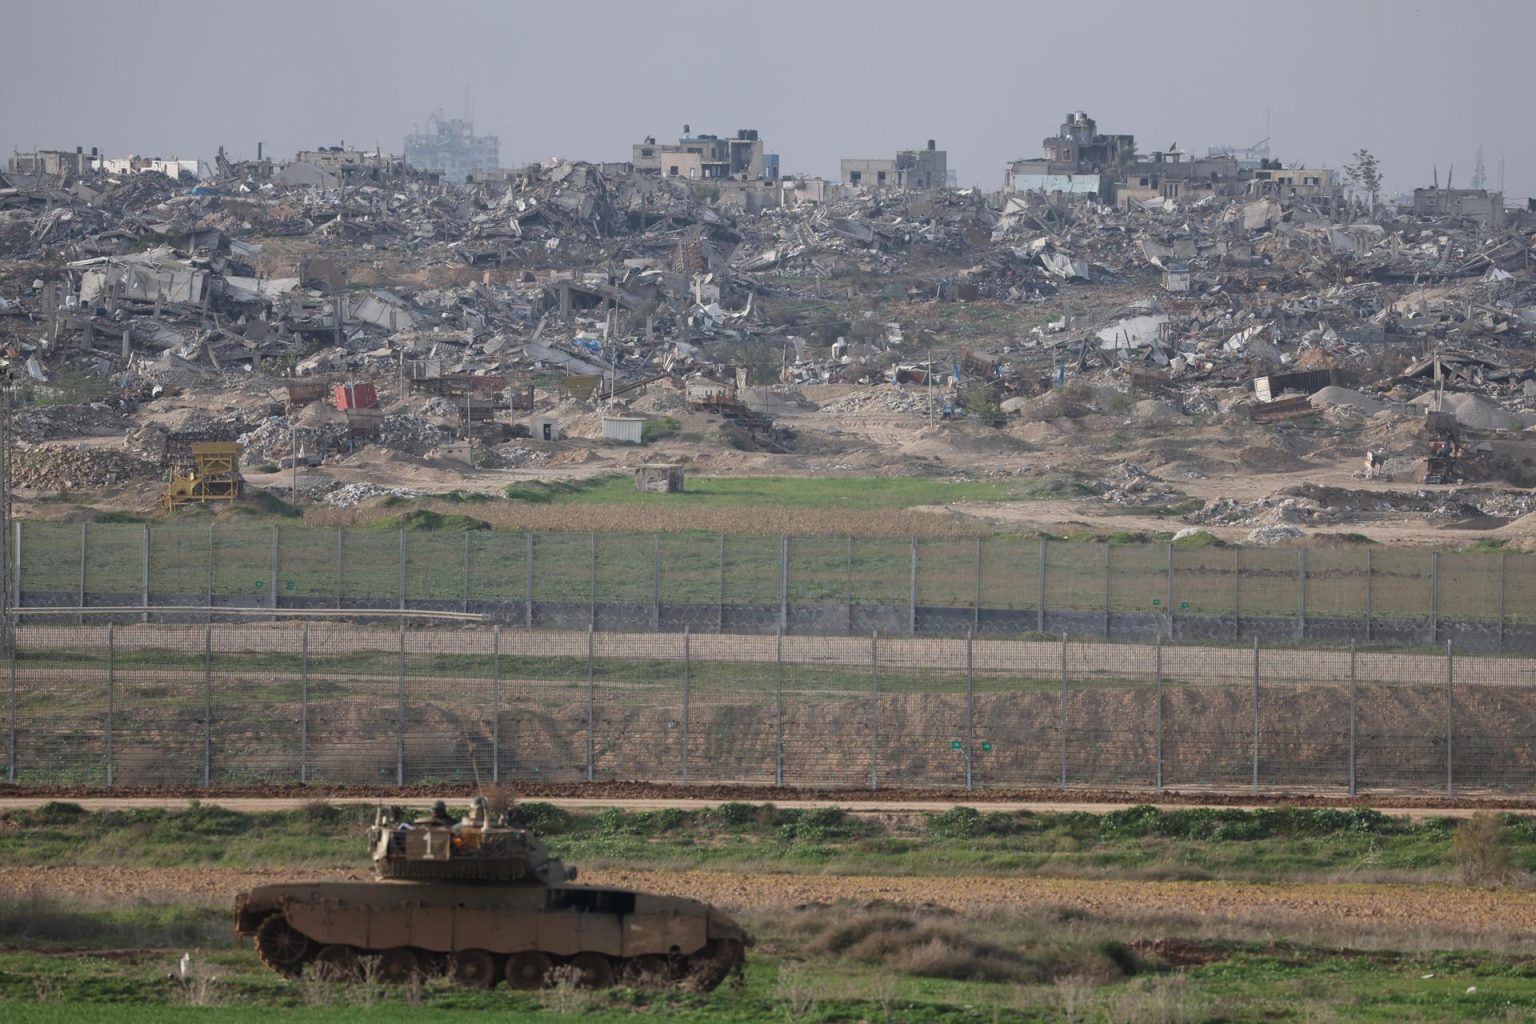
{"x":820,"y":586}
{"x":325,"y":701}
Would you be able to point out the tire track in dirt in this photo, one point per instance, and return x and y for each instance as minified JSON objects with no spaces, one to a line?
{"x":1433,"y":906}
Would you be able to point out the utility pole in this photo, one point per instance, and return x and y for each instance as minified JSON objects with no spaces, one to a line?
{"x":293,"y":452}
{"x":931,"y":421}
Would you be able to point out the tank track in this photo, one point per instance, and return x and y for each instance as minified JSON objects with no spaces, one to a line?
{"x":702,"y":972}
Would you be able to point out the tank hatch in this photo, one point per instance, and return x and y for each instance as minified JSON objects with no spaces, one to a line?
{"x":471,"y":849}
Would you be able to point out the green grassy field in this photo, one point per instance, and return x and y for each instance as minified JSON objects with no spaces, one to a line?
{"x":1243,"y":982}
{"x":1268,"y":845}
{"x":90,"y":961}
{"x":848,"y":493}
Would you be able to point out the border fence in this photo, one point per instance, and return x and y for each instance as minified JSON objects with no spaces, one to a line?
{"x":818,"y":586}
{"x":333,"y":702}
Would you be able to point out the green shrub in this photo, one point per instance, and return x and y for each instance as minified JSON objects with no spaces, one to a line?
{"x":1481,"y":846}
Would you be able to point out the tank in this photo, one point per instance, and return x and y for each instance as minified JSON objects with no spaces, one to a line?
{"x":482,"y":901}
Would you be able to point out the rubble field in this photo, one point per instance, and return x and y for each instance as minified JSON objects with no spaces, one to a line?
{"x":1324,"y":370}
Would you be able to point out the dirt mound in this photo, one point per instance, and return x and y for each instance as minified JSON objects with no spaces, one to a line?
{"x":1477,"y":413}
{"x":58,"y":467}
{"x":575,"y":457}
{"x":1334,"y":396}
{"x":1270,"y":460}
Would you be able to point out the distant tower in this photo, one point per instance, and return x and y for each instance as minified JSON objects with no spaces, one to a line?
{"x":1479,"y":172}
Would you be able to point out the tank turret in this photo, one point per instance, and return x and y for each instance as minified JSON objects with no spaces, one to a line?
{"x":472,"y":849}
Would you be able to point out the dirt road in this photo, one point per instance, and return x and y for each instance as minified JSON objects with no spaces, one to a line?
{"x":1295,"y":905}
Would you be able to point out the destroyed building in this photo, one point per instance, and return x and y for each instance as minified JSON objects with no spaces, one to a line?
{"x":54,"y":163}
{"x":707,"y":157}
{"x":911,"y":169}
{"x":1167,"y":175}
{"x":451,"y":147}
{"x":1270,"y":179}
{"x":1477,"y":204}
{"x":79,"y":164}
{"x":1077,"y":160}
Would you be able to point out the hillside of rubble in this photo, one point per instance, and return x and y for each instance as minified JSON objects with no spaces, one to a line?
{"x":1263,"y":370}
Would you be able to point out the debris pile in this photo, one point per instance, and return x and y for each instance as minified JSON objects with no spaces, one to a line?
{"x":354,"y":494}
{"x":58,"y":467}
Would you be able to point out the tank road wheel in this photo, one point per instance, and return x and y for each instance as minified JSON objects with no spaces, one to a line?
{"x":336,"y":963}
{"x":595,"y":970}
{"x":473,"y":968}
{"x":281,"y":946}
{"x":718,"y":960}
{"x":528,"y":970}
{"x":399,"y":966}
{"x":649,"y":971}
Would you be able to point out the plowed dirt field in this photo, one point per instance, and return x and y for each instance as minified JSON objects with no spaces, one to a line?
{"x":1429,"y":906}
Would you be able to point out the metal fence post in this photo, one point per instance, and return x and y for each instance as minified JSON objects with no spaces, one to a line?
{"x":84,"y":527}
{"x":304,"y":705}
{"x":1353,"y":716}
{"x":1301,"y":593}
{"x":341,"y":588}
{"x":1370,"y":587}
{"x":275,"y":569}
{"x":1237,"y":592}
{"x":207,"y":705}
{"x":10,"y":760}
{"x":1157,"y":715}
{"x":591,"y":711}
{"x":1168,"y":595}
{"x":16,"y":568}
{"x":1108,"y":547}
{"x":1040,"y":595}
{"x":402,"y":570}
{"x":400,"y":711}
{"x":1434,"y":596}
{"x":687,"y":683}
{"x":976,"y":609}
{"x":211,"y":549}
{"x":465,"y":607}
{"x":1256,"y":709}
{"x":778,"y":709}
{"x":496,"y":704}
{"x":970,"y":710}
{"x":784,"y":583}
{"x":1062,"y":711}
{"x":144,"y":582}
{"x":912,"y":593}
{"x":528,"y":585}
{"x":592,"y":582}
{"x":656,"y":583}
{"x":111,"y":695}
{"x":720,"y":601}
{"x":874,"y":709}
{"x":1450,"y":723}
{"x":1503,"y":559}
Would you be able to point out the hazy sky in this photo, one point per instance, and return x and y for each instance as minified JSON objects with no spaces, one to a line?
{"x":1417,"y":84}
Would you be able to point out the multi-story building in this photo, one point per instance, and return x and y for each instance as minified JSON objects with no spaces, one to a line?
{"x":912,"y":169}
{"x":451,"y":147}
{"x":1270,"y":179}
{"x":1478,"y":204}
{"x":1077,"y":160}
{"x":705,"y":157}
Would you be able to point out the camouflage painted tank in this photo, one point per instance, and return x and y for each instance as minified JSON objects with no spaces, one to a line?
{"x":482,"y":901}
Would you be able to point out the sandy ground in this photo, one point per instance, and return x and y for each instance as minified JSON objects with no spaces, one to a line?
{"x":1418,"y":906}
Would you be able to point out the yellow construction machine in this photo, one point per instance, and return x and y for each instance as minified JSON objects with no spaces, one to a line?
{"x":213,"y":476}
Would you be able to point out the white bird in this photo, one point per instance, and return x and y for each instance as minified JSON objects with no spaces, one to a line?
{"x":186,"y":964}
